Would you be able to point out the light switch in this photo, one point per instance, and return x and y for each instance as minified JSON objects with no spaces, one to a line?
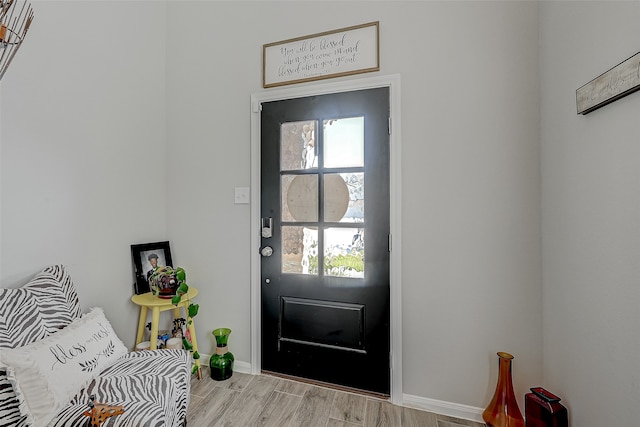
{"x":241,"y":195}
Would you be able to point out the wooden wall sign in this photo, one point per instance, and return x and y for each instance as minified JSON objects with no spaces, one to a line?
{"x":342,"y":52}
{"x":619,"y":81}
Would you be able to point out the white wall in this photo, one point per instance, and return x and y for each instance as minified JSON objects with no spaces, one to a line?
{"x":591,"y":215}
{"x":84,"y":145}
{"x":84,"y":148}
{"x":471,"y":269}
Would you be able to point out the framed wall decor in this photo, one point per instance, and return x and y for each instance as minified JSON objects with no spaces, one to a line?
{"x":342,"y":52}
{"x":619,"y":81}
{"x":146,"y":257}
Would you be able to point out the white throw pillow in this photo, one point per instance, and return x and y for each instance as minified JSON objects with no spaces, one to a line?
{"x":48,"y":373}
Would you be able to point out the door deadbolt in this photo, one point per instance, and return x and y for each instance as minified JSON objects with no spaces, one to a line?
{"x":266,"y":227}
{"x":267,"y":251}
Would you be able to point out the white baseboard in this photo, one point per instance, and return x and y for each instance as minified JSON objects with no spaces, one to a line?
{"x":242,"y":367}
{"x":238,"y":365}
{"x":444,"y":408}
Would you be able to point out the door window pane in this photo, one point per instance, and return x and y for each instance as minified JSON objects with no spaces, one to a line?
{"x":300,"y":198}
{"x":344,"y":252}
{"x":298,"y":145}
{"x":336,"y":197}
{"x":299,"y":250}
{"x":344,"y":142}
{"x":344,"y":197}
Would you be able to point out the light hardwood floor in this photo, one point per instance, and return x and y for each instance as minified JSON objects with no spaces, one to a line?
{"x":247,"y":400}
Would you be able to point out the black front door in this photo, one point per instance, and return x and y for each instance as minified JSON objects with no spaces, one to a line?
{"x":325,"y":238}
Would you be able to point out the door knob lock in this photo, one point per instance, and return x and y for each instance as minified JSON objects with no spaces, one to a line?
{"x":267,"y":251}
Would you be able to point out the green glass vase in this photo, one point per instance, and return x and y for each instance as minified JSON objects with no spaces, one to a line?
{"x":221,"y":363}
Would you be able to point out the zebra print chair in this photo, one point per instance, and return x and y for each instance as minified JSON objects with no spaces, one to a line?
{"x":153,"y":386}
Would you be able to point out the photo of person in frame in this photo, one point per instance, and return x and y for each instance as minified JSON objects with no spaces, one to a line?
{"x":146,"y":258}
{"x":150,"y":261}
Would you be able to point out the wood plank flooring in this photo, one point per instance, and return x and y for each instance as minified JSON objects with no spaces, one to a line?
{"x":259,"y":400}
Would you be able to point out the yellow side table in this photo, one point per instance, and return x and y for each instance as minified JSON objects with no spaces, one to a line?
{"x":157,"y":305}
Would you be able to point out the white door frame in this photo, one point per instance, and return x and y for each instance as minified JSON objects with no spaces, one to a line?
{"x":393,"y":83}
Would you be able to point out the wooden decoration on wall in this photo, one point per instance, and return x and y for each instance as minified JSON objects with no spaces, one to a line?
{"x":14,"y":24}
{"x":612,"y":85}
{"x":342,"y":52}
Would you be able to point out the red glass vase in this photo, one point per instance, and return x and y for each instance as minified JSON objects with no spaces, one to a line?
{"x":503,"y":410}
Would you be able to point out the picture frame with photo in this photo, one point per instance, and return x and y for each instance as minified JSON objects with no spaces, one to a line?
{"x":146,"y":257}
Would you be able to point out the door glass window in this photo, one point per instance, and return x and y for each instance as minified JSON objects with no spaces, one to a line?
{"x":298,"y":145}
{"x":320,"y":192}
{"x":344,"y":252}
{"x":344,"y":197}
{"x":299,"y":250}
{"x":299,"y":198}
{"x":344,"y":142}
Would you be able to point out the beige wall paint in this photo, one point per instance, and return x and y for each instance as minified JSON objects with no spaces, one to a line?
{"x":154,"y":96}
{"x":84,"y":148}
{"x":471,"y":226}
{"x":591,"y":215}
